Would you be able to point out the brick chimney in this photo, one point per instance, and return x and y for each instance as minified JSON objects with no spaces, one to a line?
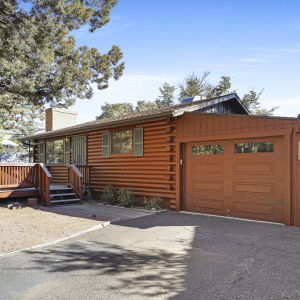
{"x":57,"y":118}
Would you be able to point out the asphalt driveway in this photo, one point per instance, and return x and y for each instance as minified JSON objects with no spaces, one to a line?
{"x":163,"y":256}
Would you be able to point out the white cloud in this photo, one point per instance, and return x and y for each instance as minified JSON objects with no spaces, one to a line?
{"x":284,"y":101}
{"x":291,"y":50}
{"x":253,"y":60}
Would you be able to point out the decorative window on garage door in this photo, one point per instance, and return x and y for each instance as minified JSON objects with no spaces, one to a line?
{"x":207,"y":149}
{"x":259,"y":147}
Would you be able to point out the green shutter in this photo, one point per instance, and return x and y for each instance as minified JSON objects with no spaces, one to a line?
{"x":42,"y":152}
{"x":139,"y":141}
{"x":105,"y":144}
{"x":67,"y":151}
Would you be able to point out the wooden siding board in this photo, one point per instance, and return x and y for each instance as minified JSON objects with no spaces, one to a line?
{"x":296,"y":178}
{"x":191,"y":124}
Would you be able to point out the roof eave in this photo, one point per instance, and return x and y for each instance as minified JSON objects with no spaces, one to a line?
{"x":96,"y":126}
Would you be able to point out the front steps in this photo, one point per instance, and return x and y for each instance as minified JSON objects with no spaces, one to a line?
{"x":63,"y":195}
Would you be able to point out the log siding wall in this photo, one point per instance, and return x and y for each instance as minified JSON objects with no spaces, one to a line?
{"x":149,"y":175}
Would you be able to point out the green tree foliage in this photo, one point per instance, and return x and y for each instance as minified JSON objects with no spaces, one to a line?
{"x":222,"y":88}
{"x":27,"y":126}
{"x":114,"y":110}
{"x":167,"y":95}
{"x":251,"y":102}
{"x":2,"y":149}
{"x":193,"y":85}
{"x":40,"y":62}
{"x":120,"y":109}
{"x":143,"y":105}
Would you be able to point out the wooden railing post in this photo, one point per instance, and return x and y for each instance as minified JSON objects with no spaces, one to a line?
{"x":44,"y":184}
{"x":75,"y":180}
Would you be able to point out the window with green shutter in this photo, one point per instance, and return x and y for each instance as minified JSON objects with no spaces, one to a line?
{"x":139,"y":141}
{"x":105,"y":144}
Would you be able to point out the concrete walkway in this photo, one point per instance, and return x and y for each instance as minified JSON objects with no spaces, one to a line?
{"x":97,"y":212}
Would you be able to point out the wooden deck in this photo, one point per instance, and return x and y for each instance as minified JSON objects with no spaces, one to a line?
{"x":33,"y":180}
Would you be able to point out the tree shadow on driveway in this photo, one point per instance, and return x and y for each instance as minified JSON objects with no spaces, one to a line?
{"x":169,"y":256}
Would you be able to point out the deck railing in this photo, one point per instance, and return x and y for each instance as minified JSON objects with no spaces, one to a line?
{"x":75,"y":180}
{"x":18,"y":175}
{"x":85,"y":171}
{"x":44,"y":183}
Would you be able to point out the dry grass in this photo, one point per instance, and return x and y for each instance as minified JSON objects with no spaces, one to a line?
{"x":30,"y":226}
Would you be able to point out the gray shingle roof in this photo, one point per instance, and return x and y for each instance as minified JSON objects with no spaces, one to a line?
{"x":136,"y":117}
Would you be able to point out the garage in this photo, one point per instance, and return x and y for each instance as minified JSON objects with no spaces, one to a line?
{"x":239,"y":166}
{"x":238,"y":178}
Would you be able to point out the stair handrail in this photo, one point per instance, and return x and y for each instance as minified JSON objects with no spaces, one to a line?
{"x":75,"y":180}
{"x":44,"y":183}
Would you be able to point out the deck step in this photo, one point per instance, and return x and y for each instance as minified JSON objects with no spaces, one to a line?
{"x":60,"y":189}
{"x":66,"y":200}
{"x":67,"y":194}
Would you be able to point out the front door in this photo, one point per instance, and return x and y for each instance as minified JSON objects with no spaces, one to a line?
{"x":79,"y":150}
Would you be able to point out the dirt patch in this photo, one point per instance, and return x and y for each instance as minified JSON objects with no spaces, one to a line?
{"x":30,"y":226}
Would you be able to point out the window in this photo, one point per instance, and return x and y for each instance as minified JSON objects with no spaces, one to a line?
{"x":121,"y":142}
{"x":258,"y":147}
{"x":55,"y":152}
{"x":207,"y":149}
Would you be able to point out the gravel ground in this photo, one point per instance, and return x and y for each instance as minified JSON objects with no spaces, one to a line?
{"x":30,"y":226}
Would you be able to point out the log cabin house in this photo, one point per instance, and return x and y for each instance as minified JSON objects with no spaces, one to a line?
{"x":208,"y":156}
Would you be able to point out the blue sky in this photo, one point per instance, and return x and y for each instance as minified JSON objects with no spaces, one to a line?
{"x":256,"y":43}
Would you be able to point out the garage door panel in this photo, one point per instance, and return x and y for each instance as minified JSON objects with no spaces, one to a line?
{"x":216,"y":168}
{"x":254,"y":168}
{"x":253,"y":208}
{"x":204,"y":186}
{"x":253,"y":211}
{"x":206,"y":205}
{"x":254,"y":188}
{"x":258,"y":211}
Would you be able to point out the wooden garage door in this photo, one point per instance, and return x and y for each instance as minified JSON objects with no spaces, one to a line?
{"x":242,"y":178}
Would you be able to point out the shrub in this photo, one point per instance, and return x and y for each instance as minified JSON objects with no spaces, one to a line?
{"x":153,"y":202}
{"x":110,"y":195}
{"x":86,"y":194}
{"x":126,"y":197}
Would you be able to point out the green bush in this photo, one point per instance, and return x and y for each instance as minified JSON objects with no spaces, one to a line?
{"x":126,"y":197}
{"x":153,"y":202}
{"x":110,"y":195}
{"x":86,"y":194}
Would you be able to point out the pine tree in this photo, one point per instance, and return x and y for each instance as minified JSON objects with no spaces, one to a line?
{"x":167,"y":95}
{"x":40,"y":62}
